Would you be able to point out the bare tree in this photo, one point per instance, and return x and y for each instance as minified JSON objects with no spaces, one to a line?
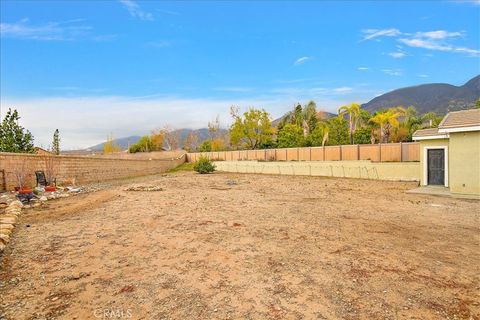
{"x":191,"y":142}
{"x":21,"y":171}
{"x":172,"y":137}
{"x":51,"y":168}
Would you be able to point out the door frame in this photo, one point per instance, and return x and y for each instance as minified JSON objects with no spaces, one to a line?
{"x":425,"y":164}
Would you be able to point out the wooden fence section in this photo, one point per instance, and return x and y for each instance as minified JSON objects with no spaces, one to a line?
{"x":389,"y":152}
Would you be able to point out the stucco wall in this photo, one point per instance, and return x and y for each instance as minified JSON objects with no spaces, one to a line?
{"x":81,"y":169}
{"x":465,"y":162}
{"x":427,"y":144}
{"x":398,"y":171}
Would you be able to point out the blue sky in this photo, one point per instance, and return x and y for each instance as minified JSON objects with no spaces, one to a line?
{"x":125,"y":67}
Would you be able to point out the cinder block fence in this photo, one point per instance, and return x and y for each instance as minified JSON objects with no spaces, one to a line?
{"x":80,"y":169}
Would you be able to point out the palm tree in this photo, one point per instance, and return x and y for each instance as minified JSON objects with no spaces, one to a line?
{"x":353,"y":111}
{"x":386,"y":120}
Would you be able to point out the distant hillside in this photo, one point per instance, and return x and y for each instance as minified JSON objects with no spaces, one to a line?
{"x":437,"y":97}
{"x":123,"y":143}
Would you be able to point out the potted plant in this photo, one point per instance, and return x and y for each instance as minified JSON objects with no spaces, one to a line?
{"x":20,"y":170}
{"x":50,"y":171}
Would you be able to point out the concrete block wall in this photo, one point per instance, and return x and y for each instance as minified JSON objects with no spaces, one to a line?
{"x":81,"y":169}
{"x":395,"y":171}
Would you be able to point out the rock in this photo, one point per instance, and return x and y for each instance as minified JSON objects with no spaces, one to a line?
{"x":16,"y":204}
{"x":2,"y":246}
{"x":4,"y":238}
{"x":14,"y":211}
{"x":5,"y":231}
{"x":43,"y":198}
{"x":6,"y":226}
{"x":8,"y":220}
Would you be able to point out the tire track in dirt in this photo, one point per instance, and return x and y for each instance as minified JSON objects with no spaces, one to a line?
{"x":67,"y":206}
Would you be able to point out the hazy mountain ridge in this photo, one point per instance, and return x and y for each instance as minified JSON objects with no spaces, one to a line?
{"x":125,"y":142}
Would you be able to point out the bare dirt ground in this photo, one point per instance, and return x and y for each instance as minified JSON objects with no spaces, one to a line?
{"x":232,"y":246}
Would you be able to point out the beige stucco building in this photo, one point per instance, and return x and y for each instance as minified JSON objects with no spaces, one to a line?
{"x":450,"y":154}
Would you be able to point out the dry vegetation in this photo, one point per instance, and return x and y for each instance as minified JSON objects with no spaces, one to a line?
{"x":228,"y":246}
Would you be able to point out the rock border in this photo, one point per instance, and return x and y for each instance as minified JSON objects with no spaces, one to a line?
{"x":8,"y":220}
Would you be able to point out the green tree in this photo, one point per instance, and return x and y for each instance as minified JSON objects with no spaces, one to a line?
{"x":250,"y":130}
{"x":145,"y":144}
{"x":363,"y":135}
{"x":298,"y":115}
{"x":431,"y":119}
{"x":13,"y":137}
{"x":337,"y":131}
{"x":56,"y":142}
{"x":353,"y":112}
{"x":205,"y":146}
{"x":386,"y":120}
{"x":319,"y":136}
{"x":477,"y":104}
{"x":310,"y":117}
{"x":291,"y":136}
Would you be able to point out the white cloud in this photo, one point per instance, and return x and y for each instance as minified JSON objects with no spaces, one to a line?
{"x":393,"y":72}
{"x":343,"y":90}
{"x":105,"y":38}
{"x":370,"y":34}
{"x":439,"y":40}
{"x":422,"y":75}
{"x":159,"y":44}
{"x":362,"y":68}
{"x":397,"y":55}
{"x":234,"y":89}
{"x":51,"y":31}
{"x":135,"y":10}
{"x":438,"y":46}
{"x":438,"y":34}
{"x":474,"y":2}
{"x":301,"y":60}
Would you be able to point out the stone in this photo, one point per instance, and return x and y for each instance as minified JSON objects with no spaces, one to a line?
{"x":2,"y":247}
{"x":4,"y":238}
{"x":6,"y":226}
{"x":7,"y":220}
{"x":14,"y":211}
{"x":5,"y":231}
{"x":43,"y":198}
{"x":16,"y":204}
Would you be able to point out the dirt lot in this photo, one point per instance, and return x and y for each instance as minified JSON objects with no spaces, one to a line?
{"x":231,"y":246}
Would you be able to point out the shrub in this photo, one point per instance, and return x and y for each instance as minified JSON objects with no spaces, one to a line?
{"x":204,"y":165}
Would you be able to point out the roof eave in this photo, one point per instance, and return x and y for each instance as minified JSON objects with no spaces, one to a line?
{"x":459,"y":129}
{"x":431,"y":137}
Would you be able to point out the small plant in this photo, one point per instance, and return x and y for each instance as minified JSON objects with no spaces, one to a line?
{"x":50,"y":170}
{"x":204,"y":165}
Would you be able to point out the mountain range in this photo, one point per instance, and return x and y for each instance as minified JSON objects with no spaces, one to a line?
{"x":125,"y":142}
{"x":440,"y":98}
